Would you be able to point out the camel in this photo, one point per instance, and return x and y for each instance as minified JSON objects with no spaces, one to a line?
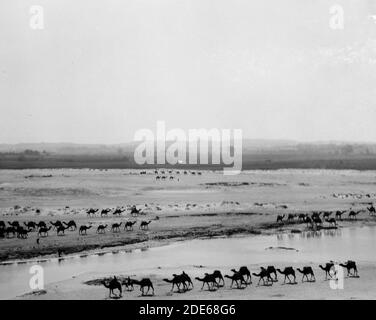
{"x":287,"y":272}
{"x":302,"y":217}
{"x":112,"y":285}
{"x":209,"y":280}
{"x":92,"y":211}
{"x":238,"y":279}
{"x":41,"y":224}
{"x":371,"y":210}
{"x":116,"y":227}
{"x":308,"y":221}
{"x":291,"y":217}
{"x":83,"y":230}
{"x":129,"y":225}
{"x":61,"y":229}
{"x":339,"y":214}
{"x":14,"y":224}
{"x":144,"y":225}
{"x":101,"y":228}
{"x":118,"y":212}
{"x":326,"y":214}
{"x":316,"y":215}
{"x":10,"y":230}
{"x":271,"y":270}
{"x":30,"y":225}
{"x":135,"y":211}
{"x":56,"y":224}
{"x":128,"y":283}
{"x":146,"y":282}
{"x":43,"y":231}
{"x":71,"y":225}
{"x":263,"y":274}
{"x":307,"y":271}
{"x":331,"y":221}
{"x":218,"y":275}
{"x":177,"y":281}
{"x":327,"y":268}
{"x":280,"y":218}
{"x":353,"y":214}
{"x":22,"y":233}
{"x":350,"y":265}
{"x":244,"y":271}
{"x":187,"y":279}
{"x":317,"y":221}
{"x":105,"y":212}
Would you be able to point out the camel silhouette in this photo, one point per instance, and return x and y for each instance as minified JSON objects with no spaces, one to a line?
{"x":43,"y":231}
{"x":22,"y":233}
{"x":2,"y":225}
{"x":187,"y":279}
{"x":238,"y":279}
{"x":287,"y":272}
{"x":218,"y":275}
{"x":327,"y":268}
{"x":339,"y":214}
{"x":244,"y":271}
{"x":112,"y":285}
{"x":116,"y":227}
{"x":92,"y":211}
{"x":71,"y":225}
{"x":14,"y":224}
{"x":177,"y":280}
{"x":144,"y":283}
{"x":316,"y":214}
{"x":264,"y":276}
{"x":128,"y":283}
{"x":61,"y":230}
{"x":302,"y":217}
{"x":331,"y":221}
{"x":317,"y":221}
{"x":105,"y":212}
{"x":291,"y":217}
{"x":30,"y":225}
{"x":307,"y":271}
{"x":129,"y":225}
{"x":10,"y":230}
{"x":353,"y":214}
{"x":56,"y":224}
{"x":271,"y":270}
{"x":350,"y":265}
{"x":371,"y":209}
{"x":101,"y":228}
{"x":135,"y":211}
{"x":118,"y":211}
{"x":41,"y":224}
{"x":83,"y":230}
{"x":209,"y":280}
{"x":326,"y":214}
{"x":308,"y":221}
{"x":280,"y":218}
{"x":144,"y":225}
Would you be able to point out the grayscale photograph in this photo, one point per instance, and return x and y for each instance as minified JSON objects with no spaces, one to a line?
{"x":187,"y":150}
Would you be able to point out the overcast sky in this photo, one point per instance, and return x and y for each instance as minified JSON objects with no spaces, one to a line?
{"x":100,"y":70}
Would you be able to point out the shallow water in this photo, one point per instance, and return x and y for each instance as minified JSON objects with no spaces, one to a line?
{"x":351,"y":243}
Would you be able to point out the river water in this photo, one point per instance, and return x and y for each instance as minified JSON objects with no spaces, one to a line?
{"x":356,"y":243}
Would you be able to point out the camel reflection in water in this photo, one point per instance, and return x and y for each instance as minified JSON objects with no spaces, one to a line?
{"x":310,"y":234}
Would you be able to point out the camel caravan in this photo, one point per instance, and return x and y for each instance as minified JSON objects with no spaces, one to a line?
{"x":21,"y":230}
{"x":317,"y":219}
{"x":240,"y":279}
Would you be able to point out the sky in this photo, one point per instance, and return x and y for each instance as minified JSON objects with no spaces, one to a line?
{"x":101,"y":70}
